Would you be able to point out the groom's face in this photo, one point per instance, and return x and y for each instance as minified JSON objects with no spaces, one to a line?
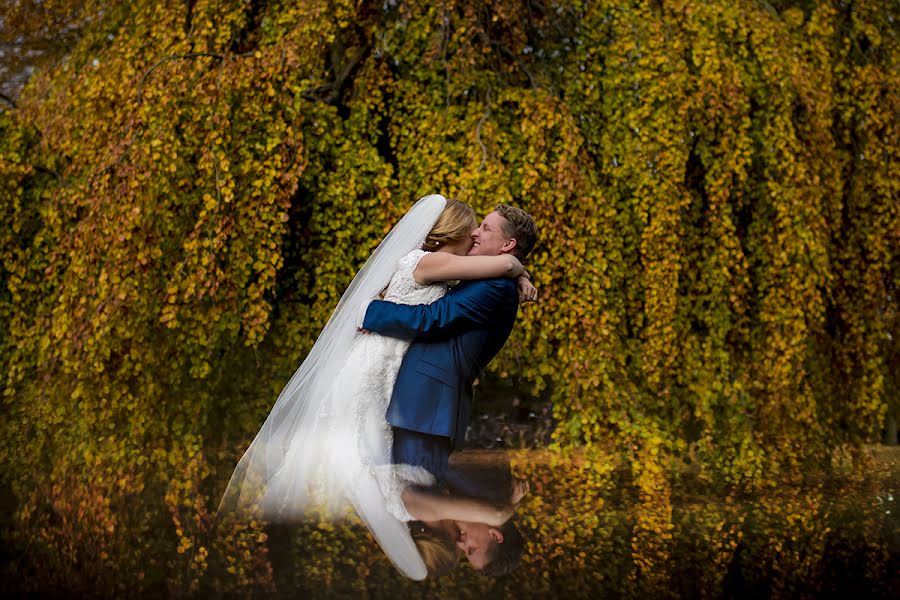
{"x":489,"y":237}
{"x":476,"y":540}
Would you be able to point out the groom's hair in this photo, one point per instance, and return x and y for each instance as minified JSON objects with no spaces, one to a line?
{"x":505,"y":556}
{"x":519,"y":225}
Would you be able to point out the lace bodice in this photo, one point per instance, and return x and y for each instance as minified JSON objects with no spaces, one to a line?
{"x":403,"y":288}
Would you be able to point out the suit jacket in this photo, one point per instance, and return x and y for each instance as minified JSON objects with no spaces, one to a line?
{"x":454,"y":338}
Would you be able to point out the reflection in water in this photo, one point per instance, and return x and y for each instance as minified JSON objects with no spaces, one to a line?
{"x":593,"y":526}
{"x":493,"y":551}
{"x":470,"y":516}
{"x":473,"y":522}
{"x":689,"y":541}
{"x":594,"y":530}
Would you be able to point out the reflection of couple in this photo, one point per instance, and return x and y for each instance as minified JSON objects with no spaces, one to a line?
{"x":371,"y":419}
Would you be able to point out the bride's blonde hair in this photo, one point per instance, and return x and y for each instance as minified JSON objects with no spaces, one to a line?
{"x":438,"y":550}
{"x":457,"y":221}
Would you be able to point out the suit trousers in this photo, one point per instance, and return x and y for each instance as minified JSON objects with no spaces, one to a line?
{"x":431,"y":452}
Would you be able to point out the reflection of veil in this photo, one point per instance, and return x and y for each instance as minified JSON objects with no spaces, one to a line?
{"x":290,"y":428}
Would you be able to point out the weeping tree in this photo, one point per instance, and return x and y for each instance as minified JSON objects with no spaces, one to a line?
{"x":186,"y":193}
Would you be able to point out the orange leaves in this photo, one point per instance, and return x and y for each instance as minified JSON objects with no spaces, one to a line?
{"x":713,"y":185}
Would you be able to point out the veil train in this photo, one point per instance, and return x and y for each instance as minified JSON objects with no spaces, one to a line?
{"x":272,"y":479}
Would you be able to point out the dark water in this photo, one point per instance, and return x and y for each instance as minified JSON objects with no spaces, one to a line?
{"x":590,"y":534}
{"x":592,"y":528}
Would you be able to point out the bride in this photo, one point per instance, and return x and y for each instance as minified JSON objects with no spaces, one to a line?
{"x":326,"y":445}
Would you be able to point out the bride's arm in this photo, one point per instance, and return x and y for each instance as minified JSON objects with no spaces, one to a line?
{"x":426,"y":505}
{"x":443,"y":266}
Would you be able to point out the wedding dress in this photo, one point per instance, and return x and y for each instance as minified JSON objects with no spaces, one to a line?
{"x":326,"y":445}
{"x":350,"y":421}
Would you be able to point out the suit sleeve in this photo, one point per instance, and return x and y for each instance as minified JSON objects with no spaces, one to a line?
{"x":468,"y":308}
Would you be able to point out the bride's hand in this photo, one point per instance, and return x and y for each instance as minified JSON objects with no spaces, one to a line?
{"x":527,"y":292}
{"x":505,"y":512}
{"x":520,"y":488}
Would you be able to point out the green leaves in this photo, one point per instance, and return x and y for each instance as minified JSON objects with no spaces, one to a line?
{"x":714,"y":188}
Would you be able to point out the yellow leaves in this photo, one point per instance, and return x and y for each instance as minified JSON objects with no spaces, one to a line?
{"x":167,"y":317}
{"x":698,"y":203}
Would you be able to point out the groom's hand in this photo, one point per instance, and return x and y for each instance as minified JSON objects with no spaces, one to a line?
{"x":361,"y":318}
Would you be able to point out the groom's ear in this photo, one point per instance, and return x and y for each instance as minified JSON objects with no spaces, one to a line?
{"x":509,"y":246}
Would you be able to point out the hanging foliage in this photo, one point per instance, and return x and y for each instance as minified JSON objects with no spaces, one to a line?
{"x":185,"y":196}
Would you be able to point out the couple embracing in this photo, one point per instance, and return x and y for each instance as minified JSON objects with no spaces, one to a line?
{"x":370,"y":418}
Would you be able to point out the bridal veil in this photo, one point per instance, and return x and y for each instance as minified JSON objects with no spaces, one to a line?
{"x":290,"y":429}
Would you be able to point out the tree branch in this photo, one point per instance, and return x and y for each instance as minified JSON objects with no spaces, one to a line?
{"x":7,"y":99}
{"x":345,"y":73}
{"x":41,"y":169}
{"x":516,"y":60}
{"x":165,"y":59}
{"x":484,"y":117}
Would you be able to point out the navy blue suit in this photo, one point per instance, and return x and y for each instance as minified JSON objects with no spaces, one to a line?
{"x":454,"y":338}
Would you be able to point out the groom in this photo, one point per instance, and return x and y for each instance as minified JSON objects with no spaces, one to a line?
{"x":454,"y":338}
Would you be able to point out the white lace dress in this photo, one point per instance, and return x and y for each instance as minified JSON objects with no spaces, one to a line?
{"x":376,"y":360}
{"x":352,"y":462}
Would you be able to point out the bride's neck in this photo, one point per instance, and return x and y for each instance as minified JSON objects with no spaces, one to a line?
{"x":455,"y":248}
{"x":447,"y":526}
